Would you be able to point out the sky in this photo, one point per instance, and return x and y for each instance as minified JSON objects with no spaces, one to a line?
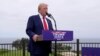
{"x":80,"y":16}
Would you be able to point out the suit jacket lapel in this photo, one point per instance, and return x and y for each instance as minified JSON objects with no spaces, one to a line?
{"x":41,"y":25}
{"x":40,"y":22}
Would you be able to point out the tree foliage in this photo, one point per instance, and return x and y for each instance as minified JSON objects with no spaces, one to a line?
{"x":20,"y":43}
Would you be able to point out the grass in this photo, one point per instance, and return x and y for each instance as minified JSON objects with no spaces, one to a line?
{"x":2,"y":51}
{"x":12,"y":53}
{"x":5,"y":52}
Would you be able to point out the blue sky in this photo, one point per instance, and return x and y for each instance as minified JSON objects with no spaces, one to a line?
{"x":81,"y":16}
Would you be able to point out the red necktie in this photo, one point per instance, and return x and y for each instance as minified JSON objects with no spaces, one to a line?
{"x":45,"y":24}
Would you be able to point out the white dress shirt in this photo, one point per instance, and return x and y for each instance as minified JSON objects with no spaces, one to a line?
{"x":41,"y":17}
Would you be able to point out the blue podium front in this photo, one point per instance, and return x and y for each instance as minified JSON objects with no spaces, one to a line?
{"x":59,"y":35}
{"x":90,"y":51}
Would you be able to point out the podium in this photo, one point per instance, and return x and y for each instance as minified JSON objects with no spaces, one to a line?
{"x":56,"y":35}
{"x":90,"y":51}
{"x":59,"y":35}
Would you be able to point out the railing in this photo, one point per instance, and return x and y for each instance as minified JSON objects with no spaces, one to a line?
{"x":63,"y":49}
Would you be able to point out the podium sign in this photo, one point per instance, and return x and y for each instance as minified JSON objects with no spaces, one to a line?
{"x":87,"y":51}
{"x":58,"y":35}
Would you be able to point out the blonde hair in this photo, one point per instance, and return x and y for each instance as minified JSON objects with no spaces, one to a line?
{"x":40,"y":5}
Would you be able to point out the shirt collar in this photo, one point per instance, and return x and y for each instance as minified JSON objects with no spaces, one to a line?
{"x":42,"y":16}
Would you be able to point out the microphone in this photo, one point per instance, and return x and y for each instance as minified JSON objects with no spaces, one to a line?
{"x":49,"y":15}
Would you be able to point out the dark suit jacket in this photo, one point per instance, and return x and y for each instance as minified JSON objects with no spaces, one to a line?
{"x":34,"y":26}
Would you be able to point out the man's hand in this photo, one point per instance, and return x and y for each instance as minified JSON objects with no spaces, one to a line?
{"x":37,"y":38}
{"x":40,"y":38}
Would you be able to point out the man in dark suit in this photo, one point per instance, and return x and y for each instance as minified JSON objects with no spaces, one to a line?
{"x":35,"y":25}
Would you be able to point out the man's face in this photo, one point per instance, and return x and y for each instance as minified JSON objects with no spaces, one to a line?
{"x":43,"y":10}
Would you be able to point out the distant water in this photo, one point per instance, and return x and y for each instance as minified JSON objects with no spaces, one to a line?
{"x":83,"y":40}
{"x":90,"y":40}
{"x":10,"y":40}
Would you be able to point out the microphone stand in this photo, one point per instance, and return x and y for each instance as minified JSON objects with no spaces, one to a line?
{"x":54,"y":22}
{"x":55,"y":53}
